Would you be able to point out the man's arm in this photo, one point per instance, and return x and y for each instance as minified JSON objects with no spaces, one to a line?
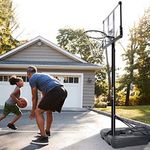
{"x":34,"y":101}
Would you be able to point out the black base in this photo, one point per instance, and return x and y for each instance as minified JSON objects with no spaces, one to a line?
{"x":124,"y":137}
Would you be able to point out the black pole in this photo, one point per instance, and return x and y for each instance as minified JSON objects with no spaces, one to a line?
{"x":113,"y":99}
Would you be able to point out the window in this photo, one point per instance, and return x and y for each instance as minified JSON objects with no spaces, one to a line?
{"x":1,"y":78}
{"x":5,"y":78}
{"x":76,"y":80}
{"x":65,"y":79}
{"x":71,"y":80}
{"x":24,"y":78}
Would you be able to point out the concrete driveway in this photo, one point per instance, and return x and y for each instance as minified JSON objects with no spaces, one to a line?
{"x":71,"y":130}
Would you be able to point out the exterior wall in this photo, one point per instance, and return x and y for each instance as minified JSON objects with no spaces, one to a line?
{"x":88,"y":89}
{"x":40,"y":53}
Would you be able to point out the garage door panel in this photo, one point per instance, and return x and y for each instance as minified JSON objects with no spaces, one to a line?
{"x":74,"y":96}
{"x":6,"y":89}
{"x":72,"y":83}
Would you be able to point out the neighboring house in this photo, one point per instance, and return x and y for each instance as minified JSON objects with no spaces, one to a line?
{"x":77,"y":75}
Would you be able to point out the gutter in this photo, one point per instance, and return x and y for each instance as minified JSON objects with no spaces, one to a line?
{"x":70,"y":67}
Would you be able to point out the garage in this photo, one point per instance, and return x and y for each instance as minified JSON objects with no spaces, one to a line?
{"x":71,"y":82}
{"x":77,"y":75}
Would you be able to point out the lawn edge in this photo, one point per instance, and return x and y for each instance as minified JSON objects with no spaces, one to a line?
{"x":134,"y":122}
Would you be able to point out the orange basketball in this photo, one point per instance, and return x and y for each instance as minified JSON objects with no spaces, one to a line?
{"x":22,"y":102}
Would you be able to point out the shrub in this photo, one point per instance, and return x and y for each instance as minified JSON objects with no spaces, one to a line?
{"x":100,"y":102}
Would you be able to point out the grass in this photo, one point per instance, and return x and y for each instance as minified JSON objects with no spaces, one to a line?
{"x":138,"y":113}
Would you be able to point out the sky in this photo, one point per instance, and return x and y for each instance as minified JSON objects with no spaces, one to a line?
{"x":46,"y":17}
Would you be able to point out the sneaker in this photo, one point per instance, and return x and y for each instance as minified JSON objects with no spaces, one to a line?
{"x":12,"y":126}
{"x":47,"y":133}
{"x":42,"y":140}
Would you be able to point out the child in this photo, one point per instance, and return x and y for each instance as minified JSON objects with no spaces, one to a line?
{"x":11,"y":103}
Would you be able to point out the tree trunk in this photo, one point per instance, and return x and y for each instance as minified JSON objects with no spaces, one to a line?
{"x":127,"y":95}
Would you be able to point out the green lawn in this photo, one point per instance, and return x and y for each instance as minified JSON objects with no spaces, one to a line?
{"x":139,"y":113}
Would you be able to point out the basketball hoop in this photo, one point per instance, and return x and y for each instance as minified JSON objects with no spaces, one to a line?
{"x":97,"y":34}
{"x":100,"y":36}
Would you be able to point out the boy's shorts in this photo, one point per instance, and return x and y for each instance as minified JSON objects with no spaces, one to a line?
{"x":11,"y":109}
{"x":54,"y":99}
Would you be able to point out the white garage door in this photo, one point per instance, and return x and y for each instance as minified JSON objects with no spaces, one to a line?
{"x":74,"y":89}
{"x":73,"y":84}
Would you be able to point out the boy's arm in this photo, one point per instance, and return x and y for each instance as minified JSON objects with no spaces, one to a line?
{"x":13,"y":95}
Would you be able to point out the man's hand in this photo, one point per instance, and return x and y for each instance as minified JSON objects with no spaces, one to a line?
{"x":32,"y":115}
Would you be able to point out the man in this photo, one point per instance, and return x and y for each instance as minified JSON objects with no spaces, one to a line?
{"x":53,"y":97}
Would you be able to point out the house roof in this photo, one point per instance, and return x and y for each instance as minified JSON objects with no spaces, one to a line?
{"x":47,"y":42}
{"x":78,"y":63}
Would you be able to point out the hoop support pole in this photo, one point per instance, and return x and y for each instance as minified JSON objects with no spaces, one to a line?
{"x":113,"y":98}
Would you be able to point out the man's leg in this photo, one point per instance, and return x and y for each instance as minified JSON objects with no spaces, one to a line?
{"x":49,"y":120}
{"x":43,"y":139}
{"x":40,"y":120}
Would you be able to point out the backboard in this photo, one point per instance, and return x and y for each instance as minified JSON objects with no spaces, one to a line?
{"x":112,"y":25}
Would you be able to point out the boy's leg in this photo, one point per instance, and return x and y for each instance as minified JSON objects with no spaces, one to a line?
{"x":16,"y":118}
{"x":6,"y":111}
{"x":14,"y":109}
{"x":2,"y":117}
{"x":12,"y":123}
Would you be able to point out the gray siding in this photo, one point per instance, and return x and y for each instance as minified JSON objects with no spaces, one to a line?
{"x":40,"y":53}
{"x":88,"y":89}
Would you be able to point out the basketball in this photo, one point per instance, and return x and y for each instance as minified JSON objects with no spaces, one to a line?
{"x":22,"y":102}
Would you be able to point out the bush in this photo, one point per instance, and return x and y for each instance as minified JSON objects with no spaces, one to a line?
{"x":133,"y":101}
{"x":100,"y":102}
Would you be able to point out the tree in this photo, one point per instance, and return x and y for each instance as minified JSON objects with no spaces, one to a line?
{"x":143,"y":59}
{"x":7,"y":26}
{"x":76,"y":42}
{"x":137,"y":56}
{"x":129,"y":57}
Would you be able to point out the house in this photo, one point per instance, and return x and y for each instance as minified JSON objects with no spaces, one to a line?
{"x":77,"y":75}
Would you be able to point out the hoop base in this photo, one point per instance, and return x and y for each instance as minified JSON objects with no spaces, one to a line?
{"x":124,"y":138}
